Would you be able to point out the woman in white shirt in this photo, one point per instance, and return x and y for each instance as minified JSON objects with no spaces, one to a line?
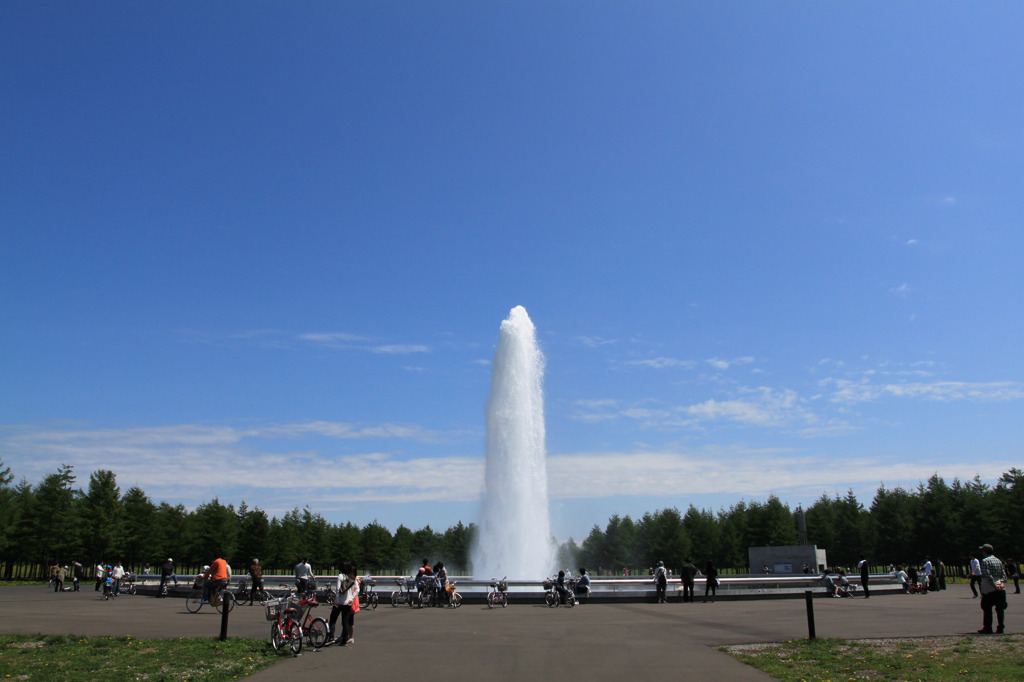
{"x":347,"y":590}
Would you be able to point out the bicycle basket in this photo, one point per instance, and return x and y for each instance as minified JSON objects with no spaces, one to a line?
{"x":548,"y":584}
{"x":274,"y":607}
{"x":502,"y":586}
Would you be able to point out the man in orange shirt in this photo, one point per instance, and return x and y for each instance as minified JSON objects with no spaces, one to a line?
{"x":217,"y":576}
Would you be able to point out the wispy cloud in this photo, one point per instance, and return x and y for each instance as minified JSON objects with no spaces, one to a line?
{"x":595,"y":341}
{"x":274,"y":339}
{"x":943,"y":391}
{"x":902,"y":290}
{"x":719,"y":363}
{"x":662,"y":363}
{"x":760,"y":407}
{"x":277,"y":481}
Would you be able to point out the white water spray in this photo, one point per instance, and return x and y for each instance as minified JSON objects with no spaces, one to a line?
{"x":514,"y":535}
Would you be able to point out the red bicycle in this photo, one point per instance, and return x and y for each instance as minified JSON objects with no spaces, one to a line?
{"x":285,"y":630}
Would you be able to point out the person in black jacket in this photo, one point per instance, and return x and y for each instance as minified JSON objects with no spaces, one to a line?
{"x":710,"y":581}
{"x":687,"y":574}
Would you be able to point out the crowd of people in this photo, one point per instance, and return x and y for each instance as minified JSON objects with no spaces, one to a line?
{"x":988,"y":578}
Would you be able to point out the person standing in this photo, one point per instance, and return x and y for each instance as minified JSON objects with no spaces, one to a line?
{"x":303,"y":574}
{"x":865,"y":574}
{"x":928,"y":574}
{"x":347,"y":590}
{"x":993,"y":590}
{"x":940,"y":572}
{"x":975,"y":573}
{"x":660,"y":582}
{"x":58,"y":578}
{"x":77,"y":573}
{"x":256,"y":577}
{"x":1013,"y":571}
{"x":686,"y":576}
{"x":118,"y":575}
{"x":101,"y":576}
{"x":710,"y":581}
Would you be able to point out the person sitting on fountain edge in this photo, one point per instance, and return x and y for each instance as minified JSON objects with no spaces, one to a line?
{"x":583,"y":584}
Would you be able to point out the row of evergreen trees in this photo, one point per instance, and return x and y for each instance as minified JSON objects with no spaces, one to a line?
{"x":900,"y":526}
{"x":55,"y":521}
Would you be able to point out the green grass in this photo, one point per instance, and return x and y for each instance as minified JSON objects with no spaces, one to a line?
{"x":929,"y":658}
{"x":66,"y":657}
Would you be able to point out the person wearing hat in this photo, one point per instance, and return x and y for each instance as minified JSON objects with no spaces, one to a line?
{"x":661,"y":581}
{"x":993,"y":590}
{"x":167,"y":571}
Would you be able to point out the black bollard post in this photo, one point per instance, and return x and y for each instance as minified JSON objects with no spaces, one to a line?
{"x":808,"y":597}
{"x":225,"y":608}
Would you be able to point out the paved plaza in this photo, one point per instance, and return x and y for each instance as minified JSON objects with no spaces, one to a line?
{"x":524,"y":641}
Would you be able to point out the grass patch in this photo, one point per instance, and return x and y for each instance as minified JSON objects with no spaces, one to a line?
{"x":67,"y":657}
{"x":995,"y":657}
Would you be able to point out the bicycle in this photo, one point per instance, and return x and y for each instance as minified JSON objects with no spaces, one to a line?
{"x":221,"y":598}
{"x":128,"y":584}
{"x":314,"y":630}
{"x":408,"y":596}
{"x":243,"y":595}
{"x":368,"y":598}
{"x":552,"y":598}
{"x":454,"y":599}
{"x":498,"y":593}
{"x":285,"y":629}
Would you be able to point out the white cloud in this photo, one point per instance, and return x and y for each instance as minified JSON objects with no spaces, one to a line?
{"x":903,"y":290}
{"x":399,"y":349}
{"x":595,"y":341}
{"x":943,"y":391}
{"x":718,"y":363}
{"x":762,"y":407}
{"x":661,"y":363}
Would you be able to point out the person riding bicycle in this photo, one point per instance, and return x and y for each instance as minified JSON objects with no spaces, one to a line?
{"x":217,"y":577}
{"x":167,"y":571}
{"x":421,"y":576}
{"x":563,"y":591}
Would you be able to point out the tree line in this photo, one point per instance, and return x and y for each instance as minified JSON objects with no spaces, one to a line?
{"x":55,"y":521}
{"x":900,"y":526}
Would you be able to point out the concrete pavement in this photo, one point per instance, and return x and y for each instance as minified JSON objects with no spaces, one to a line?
{"x":594,"y":641}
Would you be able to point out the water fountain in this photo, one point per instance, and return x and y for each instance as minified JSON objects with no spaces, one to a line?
{"x":514,"y":534}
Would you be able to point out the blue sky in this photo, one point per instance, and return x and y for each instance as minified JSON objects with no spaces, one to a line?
{"x":262,"y":250}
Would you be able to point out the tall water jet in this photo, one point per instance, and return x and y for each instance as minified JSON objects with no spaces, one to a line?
{"x":514,"y":535}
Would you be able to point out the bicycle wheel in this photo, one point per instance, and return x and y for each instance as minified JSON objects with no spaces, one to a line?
{"x":225,"y":601}
{"x":550,"y":599}
{"x":570,"y":601}
{"x":276,"y":636}
{"x":294,"y":636}
{"x":456,"y":600}
{"x":261,"y":596}
{"x":243,"y":597}
{"x":194,"y":601}
{"x":373,"y":601}
{"x":396,"y":598}
{"x":504,"y":599}
{"x":490,"y":600}
{"x":316,"y":633}
{"x":130,"y":589}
